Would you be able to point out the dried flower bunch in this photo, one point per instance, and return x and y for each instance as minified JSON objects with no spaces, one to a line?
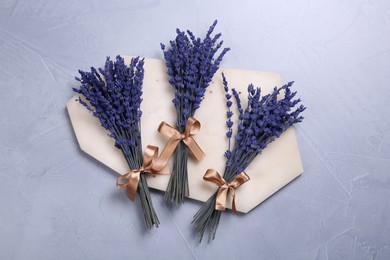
{"x":191,"y":64}
{"x":114,"y":97}
{"x":113,"y":94}
{"x":263,"y":120}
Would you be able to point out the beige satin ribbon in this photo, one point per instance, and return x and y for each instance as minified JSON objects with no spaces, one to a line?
{"x":192,"y":128}
{"x":213,"y":176}
{"x":133,"y":176}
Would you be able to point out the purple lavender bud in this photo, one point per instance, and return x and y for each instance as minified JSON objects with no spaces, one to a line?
{"x":229,"y":114}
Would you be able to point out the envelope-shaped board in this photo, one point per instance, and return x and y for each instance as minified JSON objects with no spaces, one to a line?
{"x":279,"y":163}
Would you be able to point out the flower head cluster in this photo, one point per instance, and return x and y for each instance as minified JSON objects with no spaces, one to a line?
{"x":114,"y":97}
{"x":229,"y":115}
{"x":191,"y":65}
{"x":263,"y":120}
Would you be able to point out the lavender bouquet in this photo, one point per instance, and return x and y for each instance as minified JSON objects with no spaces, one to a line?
{"x":114,"y":97}
{"x":191,"y":65}
{"x":263,"y":120}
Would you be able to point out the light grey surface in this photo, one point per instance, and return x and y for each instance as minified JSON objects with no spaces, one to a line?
{"x":57,"y":203}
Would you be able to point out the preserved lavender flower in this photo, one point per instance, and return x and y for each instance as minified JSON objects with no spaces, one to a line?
{"x":191,"y":64}
{"x":263,"y":120}
{"x":114,"y":97}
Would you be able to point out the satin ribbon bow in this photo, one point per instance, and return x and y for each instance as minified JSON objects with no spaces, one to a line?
{"x":192,"y":128}
{"x":225,"y":188}
{"x":132,"y":177}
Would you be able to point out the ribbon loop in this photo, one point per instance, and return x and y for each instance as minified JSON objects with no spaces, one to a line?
{"x":132,"y":177}
{"x":225,"y":188}
{"x":192,"y":128}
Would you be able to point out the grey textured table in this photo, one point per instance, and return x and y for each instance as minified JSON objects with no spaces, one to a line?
{"x":57,"y":203}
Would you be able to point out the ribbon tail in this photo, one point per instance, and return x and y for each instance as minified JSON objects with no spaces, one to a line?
{"x":166,"y":153}
{"x":220,"y":203}
{"x":131,"y":189}
{"x":170,"y":147}
{"x":233,"y":198}
{"x":194,"y":148}
{"x":130,"y":192}
{"x":131,"y":184}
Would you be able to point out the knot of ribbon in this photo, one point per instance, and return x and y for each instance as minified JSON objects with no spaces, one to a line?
{"x":132,"y":177}
{"x":191,"y":129}
{"x":225,"y":188}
